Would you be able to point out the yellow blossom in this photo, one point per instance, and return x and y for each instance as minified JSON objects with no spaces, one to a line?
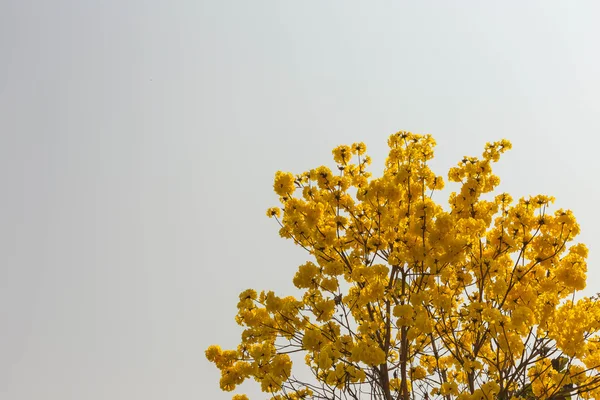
{"x":474,"y":297}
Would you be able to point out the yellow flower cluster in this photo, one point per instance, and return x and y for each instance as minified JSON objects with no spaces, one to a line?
{"x":417,"y":298}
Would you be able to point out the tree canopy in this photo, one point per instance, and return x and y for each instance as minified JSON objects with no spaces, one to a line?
{"x":403,"y":298}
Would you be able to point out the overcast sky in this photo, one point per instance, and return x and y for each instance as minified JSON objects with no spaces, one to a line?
{"x":139,"y":139}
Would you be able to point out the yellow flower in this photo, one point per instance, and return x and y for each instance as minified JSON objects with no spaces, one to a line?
{"x":248,"y":294}
{"x":359,"y":148}
{"x":274,"y":212}
{"x":449,"y":388}
{"x":405,"y":313}
{"x":417,"y":373}
{"x":284,"y":183}
{"x":342,"y":154}
{"x":213,"y":352}
{"x":306,"y":276}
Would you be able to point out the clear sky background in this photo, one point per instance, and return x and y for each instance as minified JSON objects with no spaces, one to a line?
{"x":139,"y":139}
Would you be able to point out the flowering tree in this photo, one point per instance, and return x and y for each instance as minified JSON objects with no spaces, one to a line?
{"x":403,"y":299}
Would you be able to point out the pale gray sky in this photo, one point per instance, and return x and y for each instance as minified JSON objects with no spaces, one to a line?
{"x":138,"y":142}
